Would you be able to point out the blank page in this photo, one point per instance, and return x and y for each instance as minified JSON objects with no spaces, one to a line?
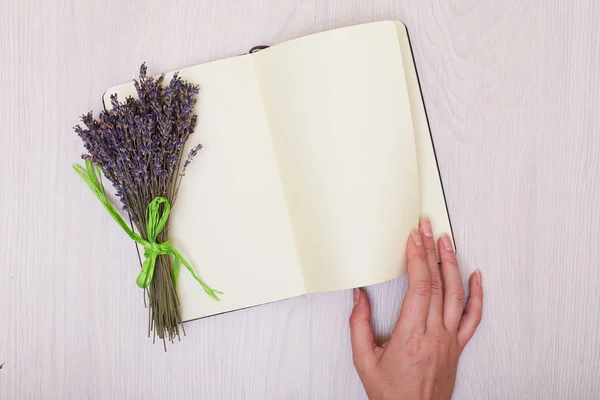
{"x":230,"y":219}
{"x":339,"y":114}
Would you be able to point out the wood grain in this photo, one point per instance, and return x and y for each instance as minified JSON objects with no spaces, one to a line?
{"x":512,"y":90}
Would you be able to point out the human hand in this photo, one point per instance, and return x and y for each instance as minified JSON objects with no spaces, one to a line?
{"x":420,"y":359}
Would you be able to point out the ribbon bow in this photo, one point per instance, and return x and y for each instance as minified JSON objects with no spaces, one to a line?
{"x":155,"y":223}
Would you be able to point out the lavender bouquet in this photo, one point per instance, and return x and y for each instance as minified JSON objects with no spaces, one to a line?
{"x":138,"y":146}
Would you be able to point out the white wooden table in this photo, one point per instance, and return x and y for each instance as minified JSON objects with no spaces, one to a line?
{"x":512,"y":90}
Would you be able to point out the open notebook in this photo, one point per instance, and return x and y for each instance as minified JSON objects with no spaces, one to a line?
{"x":317,"y":163}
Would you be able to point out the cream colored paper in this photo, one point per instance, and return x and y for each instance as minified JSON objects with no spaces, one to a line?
{"x":308,"y":180}
{"x":339,"y":114}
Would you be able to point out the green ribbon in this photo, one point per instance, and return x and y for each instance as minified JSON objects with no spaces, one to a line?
{"x":155,"y":223}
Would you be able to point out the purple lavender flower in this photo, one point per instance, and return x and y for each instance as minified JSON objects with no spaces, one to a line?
{"x":138,"y":143}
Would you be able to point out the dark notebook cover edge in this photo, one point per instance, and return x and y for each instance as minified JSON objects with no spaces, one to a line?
{"x":437,"y":164}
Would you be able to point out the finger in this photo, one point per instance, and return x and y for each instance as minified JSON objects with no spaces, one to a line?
{"x":472,"y":317}
{"x":361,"y":332}
{"x":454,"y":292}
{"x":415,"y":308}
{"x":437,"y":298}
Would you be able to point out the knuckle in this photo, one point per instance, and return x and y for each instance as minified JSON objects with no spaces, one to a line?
{"x":436,"y":285}
{"x":354,"y":320}
{"x":423,"y":287}
{"x":419,"y":256}
{"x":451,"y":262}
{"x":458,"y":294}
{"x":429,"y":246}
{"x":414,"y":345}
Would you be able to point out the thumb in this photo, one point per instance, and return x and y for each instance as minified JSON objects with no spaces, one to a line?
{"x":361,"y":332}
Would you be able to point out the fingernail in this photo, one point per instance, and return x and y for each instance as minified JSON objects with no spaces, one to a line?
{"x":478,"y":276}
{"x":355,"y":295}
{"x":447,"y":242}
{"x":416,"y":237}
{"x":426,"y":227}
